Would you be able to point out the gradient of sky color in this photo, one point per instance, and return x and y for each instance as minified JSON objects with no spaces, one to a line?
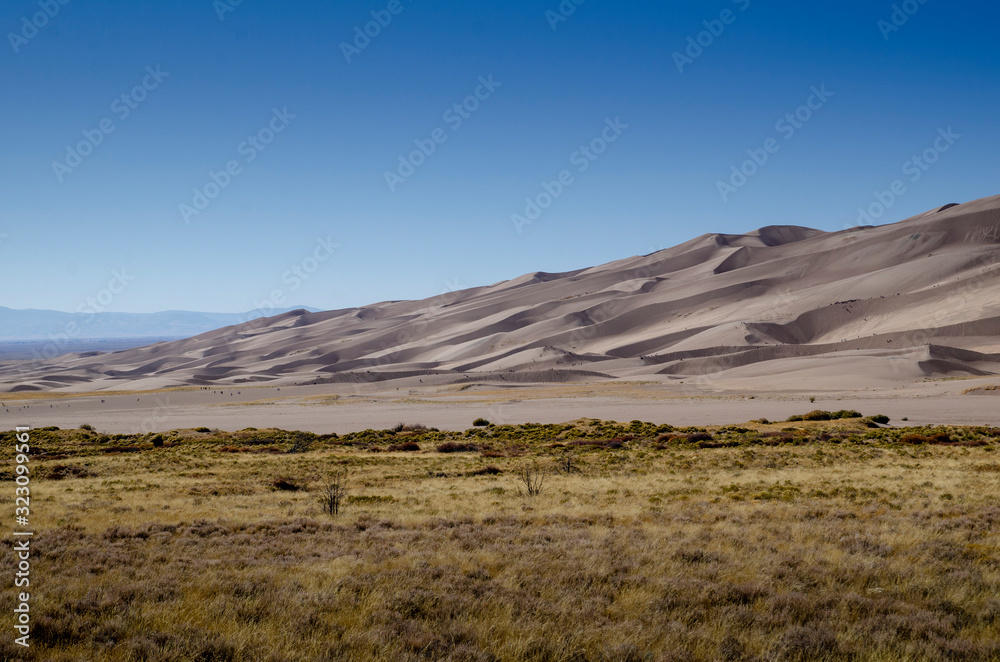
{"x":449,"y":225}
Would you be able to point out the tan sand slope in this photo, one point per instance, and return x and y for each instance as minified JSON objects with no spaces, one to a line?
{"x":889,"y":303}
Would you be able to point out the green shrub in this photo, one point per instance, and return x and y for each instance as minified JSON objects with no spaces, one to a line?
{"x":480,"y":422}
{"x":301,"y":442}
{"x":820,"y":415}
{"x":456,"y":447}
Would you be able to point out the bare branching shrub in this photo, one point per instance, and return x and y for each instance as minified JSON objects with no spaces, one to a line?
{"x":566,"y":465}
{"x":333,"y":493}
{"x":532,"y":479}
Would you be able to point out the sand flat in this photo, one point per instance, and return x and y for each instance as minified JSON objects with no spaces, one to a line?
{"x":325,"y":409}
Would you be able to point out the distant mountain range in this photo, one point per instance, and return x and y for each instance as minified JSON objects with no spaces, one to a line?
{"x":43,"y":325}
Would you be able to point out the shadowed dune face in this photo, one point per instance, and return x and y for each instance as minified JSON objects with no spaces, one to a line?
{"x":919,"y":297}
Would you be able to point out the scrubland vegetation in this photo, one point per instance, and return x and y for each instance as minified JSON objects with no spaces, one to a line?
{"x":829,"y":538}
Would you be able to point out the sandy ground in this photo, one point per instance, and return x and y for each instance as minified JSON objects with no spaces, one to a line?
{"x":340,"y":409}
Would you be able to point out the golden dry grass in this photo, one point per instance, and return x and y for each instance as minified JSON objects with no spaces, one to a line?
{"x":866,"y":551}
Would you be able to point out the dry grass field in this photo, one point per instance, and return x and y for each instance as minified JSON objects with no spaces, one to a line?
{"x":808,"y":540}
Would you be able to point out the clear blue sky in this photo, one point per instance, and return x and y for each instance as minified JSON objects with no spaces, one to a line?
{"x":449,"y":224}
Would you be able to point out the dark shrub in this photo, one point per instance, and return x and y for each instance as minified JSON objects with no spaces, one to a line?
{"x":486,"y":471}
{"x":285,"y":485}
{"x":480,"y":422}
{"x":695,"y":437}
{"x":60,"y":471}
{"x":972,"y":443}
{"x":913,"y":438}
{"x":158,"y":441}
{"x":820,"y":415}
{"x":301,"y":442}
{"x":940,"y":438}
{"x":881,"y":418}
{"x":407,"y":447}
{"x":456,"y":447}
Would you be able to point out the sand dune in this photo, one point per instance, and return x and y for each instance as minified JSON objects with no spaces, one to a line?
{"x":897,"y":302}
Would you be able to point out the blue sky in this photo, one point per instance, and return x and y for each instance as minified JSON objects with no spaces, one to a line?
{"x":112,"y":224}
